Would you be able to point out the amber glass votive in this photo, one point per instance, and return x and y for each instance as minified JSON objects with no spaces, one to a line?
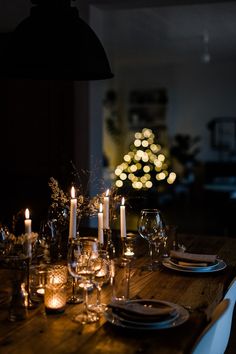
{"x":57,"y":274}
{"x":55,"y":298}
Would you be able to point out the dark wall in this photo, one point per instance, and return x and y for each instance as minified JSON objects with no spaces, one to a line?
{"x":36,"y":130}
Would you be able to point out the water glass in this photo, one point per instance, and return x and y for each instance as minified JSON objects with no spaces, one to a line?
{"x":120,"y":279}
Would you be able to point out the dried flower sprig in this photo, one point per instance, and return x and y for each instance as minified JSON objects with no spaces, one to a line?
{"x":21,"y":239}
{"x":61,"y":203}
{"x":59,"y":208}
{"x":19,"y":247}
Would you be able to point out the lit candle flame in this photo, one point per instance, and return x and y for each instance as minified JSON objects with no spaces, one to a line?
{"x":72,"y":192}
{"x":107,"y":193}
{"x":27,"y":213}
{"x":123,"y":201}
{"x":100,"y":208}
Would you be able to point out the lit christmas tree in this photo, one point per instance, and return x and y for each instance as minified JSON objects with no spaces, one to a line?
{"x":145,"y":166}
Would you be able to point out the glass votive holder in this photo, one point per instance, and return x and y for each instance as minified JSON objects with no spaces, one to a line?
{"x":129,"y":245}
{"x":38,"y":279}
{"x":55,"y":298}
{"x":57,"y":274}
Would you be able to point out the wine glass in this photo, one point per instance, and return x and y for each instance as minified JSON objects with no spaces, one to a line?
{"x":151,"y":227}
{"x":74,"y":248}
{"x":82,"y":265}
{"x":101,"y":277}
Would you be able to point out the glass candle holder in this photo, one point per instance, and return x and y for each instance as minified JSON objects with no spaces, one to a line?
{"x":120,"y":279}
{"x":57,"y":275}
{"x":38,"y":279}
{"x":42,"y":276}
{"x":55,"y":298}
{"x":129,"y":245}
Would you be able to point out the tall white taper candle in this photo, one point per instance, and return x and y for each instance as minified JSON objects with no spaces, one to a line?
{"x":122,"y":219}
{"x":100,"y":225}
{"x":106,"y":211}
{"x":73,"y":209}
{"x":28,"y":230}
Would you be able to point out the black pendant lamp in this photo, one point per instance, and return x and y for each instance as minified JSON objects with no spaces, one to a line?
{"x":54,"y":43}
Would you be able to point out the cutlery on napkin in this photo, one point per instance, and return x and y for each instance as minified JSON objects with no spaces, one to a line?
{"x":142,"y":309}
{"x":193,"y":259}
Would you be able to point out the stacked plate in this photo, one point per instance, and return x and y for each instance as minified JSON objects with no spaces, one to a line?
{"x":145,"y":314}
{"x":194,"y":263}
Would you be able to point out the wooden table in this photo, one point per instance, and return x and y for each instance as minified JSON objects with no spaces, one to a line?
{"x":41,"y":333}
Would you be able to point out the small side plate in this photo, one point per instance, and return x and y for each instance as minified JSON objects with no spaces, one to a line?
{"x":209,"y":269}
{"x":182,"y":316}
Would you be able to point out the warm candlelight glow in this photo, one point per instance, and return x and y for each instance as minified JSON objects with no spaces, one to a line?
{"x":123,"y":201}
{"x":107,"y":193}
{"x":129,"y":245}
{"x":27,"y":213}
{"x":129,"y":252}
{"x":40,"y":291}
{"x":100,"y":273}
{"x":55,"y":298}
{"x":55,"y":280}
{"x":54,"y":303}
{"x":100,"y":208}
{"x":72,"y":192}
{"x":27,"y":222}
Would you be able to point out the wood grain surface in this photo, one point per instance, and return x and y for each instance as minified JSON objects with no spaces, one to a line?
{"x":42,"y":334}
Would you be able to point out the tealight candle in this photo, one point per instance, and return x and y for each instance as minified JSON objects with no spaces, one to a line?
{"x":41,"y":290}
{"x":129,"y":245}
{"x":129,"y":252}
{"x":106,"y":211}
{"x":55,"y":298}
{"x":100,"y":225}
{"x":41,"y":278}
{"x":122,"y":219}
{"x":55,"y":290}
{"x":73,"y":211}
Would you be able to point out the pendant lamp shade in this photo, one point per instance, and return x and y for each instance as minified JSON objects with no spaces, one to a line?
{"x":54,"y":43}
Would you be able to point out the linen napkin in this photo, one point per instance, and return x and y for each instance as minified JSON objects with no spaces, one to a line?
{"x":197,"y":259}
{"x":142,"y":311}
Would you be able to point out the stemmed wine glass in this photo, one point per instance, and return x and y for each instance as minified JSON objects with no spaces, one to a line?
{"x":151,"y":227}
{"x":74,"y":248}
{"x":82,"y":265}
{"x":101,"y":277}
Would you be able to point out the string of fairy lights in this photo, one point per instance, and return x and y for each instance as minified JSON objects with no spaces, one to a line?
{"x":145,"y":161}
